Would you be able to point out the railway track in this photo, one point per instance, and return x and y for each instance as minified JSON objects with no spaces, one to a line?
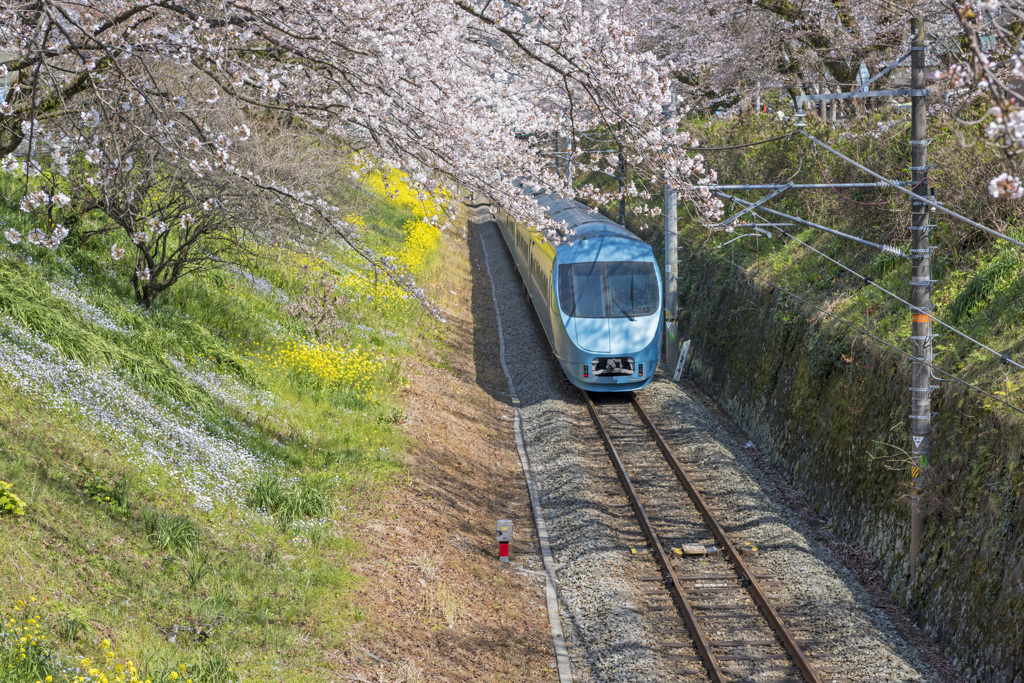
{"x":734,"y":617}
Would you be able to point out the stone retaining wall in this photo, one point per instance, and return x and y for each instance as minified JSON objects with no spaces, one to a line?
{"x":830,"y":407}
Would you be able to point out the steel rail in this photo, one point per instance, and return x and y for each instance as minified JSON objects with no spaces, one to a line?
{"x":700,"y":640}
{"x":757,"y":593}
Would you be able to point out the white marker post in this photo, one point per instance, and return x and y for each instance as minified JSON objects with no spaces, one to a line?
{"x":677,"y":375}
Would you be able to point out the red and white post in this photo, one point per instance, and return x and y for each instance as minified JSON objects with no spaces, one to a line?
{"x":504,"y":538}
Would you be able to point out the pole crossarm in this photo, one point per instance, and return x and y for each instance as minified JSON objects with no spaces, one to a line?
{"x":884,"y":248}
{"x":774,"y":193}
{"x":883,"y":72}
{"x":912,"y":92}
{"x":918,"y":198}
{"x":805,"y":186}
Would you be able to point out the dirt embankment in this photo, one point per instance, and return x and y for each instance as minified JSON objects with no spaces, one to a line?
{"x":438,"y":604}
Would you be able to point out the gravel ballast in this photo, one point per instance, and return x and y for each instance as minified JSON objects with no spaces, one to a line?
{"x":610,"y":628}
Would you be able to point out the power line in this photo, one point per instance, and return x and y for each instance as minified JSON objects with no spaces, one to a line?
{"x":1004,"y":358}
{"x":884,"y":248}
{"x":748,"y":144}
{"x":857,"y":328}
{"x":918,"y":198}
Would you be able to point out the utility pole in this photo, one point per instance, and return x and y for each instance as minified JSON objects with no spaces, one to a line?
{"x":671,"y":254}
{"x":920,"y":296}
{"x":622,"y":181}
{"x":555,"y":157}
{"x":568,"y":159}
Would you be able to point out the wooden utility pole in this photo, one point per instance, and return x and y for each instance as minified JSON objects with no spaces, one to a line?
{"x":920,"y":295}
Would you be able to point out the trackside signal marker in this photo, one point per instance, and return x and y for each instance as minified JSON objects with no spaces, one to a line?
{"x":504,"y":538}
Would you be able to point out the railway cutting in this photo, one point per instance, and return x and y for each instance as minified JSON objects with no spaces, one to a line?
{"x":652,"y":586}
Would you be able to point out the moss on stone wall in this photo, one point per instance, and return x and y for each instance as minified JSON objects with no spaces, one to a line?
{"x":831,"y":407}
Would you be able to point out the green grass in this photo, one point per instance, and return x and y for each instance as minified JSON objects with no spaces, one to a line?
{"x":113,"y":546}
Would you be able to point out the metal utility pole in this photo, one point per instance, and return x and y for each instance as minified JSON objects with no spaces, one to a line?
{"x":671,"y":256}
{"x":622,"y":181}
{"x":555,"y":157}
{"x":920,"y":297}
{"x":568,"y":158}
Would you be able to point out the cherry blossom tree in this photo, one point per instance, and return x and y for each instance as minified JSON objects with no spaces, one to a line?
{"x":443,"y":89}
{"x":995,"y":69}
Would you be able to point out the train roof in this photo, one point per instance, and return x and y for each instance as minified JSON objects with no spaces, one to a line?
{"x":579,"y":218}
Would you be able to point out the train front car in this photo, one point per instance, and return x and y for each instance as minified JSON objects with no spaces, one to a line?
{"x":609,"y":301}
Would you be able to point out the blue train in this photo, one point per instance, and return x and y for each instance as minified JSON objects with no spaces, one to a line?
{"x":598,"y":298}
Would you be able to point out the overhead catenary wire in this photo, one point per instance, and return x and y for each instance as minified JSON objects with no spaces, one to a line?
{"x":857,"y":328}
{"x":1003,"y":357}
{"x":918,"y":198}
{"x":747,"y":144}
{"x":884,"y":248}
{"x":849,"y":199}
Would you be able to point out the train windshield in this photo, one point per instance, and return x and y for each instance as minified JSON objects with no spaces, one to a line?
{"x":608,"y":289}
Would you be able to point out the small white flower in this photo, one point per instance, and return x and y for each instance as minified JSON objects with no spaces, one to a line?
{"x":159,"y":227}
{"x":6,"y":109}
{"x":32,"y":127}
{"x":10,"y":164}
{"x":139,"y":237}
{"x":36,"y":237}
{"x":59,"y":233}
{"x":91,"y":118}
{"x":93,"y":156}
{"x":209,"y":205}
{"x":116,"y":252}
{"x":1007,"y":186}
{"x":34,"y":200}
{"x":244,"y":130}
{"x":61,"y":200}
{"x":186,"y":220}
{"x":13,"y":236}
{"x":143,"y":274}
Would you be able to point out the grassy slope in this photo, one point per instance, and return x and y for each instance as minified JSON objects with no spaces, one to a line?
{"x":980,"y":287}
{"x":189,"y":417}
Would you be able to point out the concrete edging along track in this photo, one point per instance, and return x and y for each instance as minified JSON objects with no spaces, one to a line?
{"x":550,"y":591}
{"x":600,"y":601}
